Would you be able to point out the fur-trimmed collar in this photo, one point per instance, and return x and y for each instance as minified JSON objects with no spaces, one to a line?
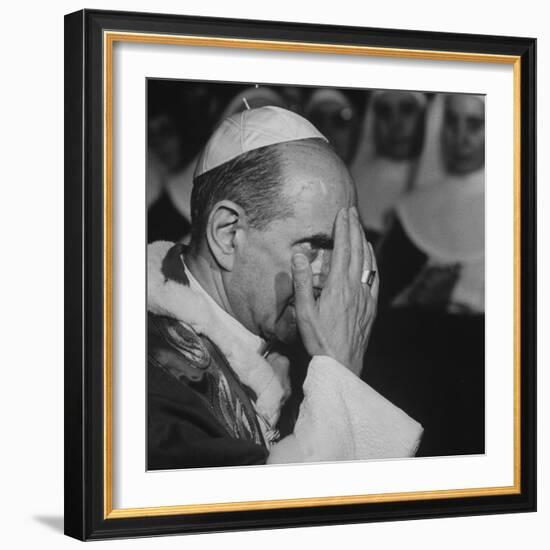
{"x":175,"y":298}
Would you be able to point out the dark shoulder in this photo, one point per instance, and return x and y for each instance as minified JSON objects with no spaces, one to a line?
{"x":399,"y":262}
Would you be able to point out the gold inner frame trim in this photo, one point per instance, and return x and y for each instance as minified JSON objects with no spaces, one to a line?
{"x":109,"y":39}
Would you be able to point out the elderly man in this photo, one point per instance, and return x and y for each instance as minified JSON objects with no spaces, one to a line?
{"x":277,"y":253}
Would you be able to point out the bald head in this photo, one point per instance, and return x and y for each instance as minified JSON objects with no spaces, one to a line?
{"x":312,"y":166}
{"x":265,"y":182}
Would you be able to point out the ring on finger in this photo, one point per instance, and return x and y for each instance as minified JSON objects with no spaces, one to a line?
{"x":367,"y":277}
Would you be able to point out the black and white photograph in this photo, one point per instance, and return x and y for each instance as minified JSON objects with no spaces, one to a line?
{"x":299,"y":274}
{"x":315,"y":274}
{"x":270,"y":275}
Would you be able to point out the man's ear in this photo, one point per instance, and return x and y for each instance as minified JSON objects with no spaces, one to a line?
{"x":226,"y":226}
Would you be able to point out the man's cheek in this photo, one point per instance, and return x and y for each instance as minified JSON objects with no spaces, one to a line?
{"x":284,"y":289}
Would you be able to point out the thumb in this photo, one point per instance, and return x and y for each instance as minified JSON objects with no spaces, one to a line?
{"x":303,"y":285}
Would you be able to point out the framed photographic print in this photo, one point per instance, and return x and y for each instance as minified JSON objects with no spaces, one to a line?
{"x":300,"y":274}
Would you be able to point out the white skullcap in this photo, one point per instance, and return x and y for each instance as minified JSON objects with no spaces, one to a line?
{"x":255,"y":98}
{"x":252,"y":129}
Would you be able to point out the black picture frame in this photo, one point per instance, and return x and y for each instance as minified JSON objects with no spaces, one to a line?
{"x":85,"y":498}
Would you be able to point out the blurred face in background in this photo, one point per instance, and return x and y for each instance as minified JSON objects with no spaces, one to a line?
{"x":337,"y":122}
{"x":165,"y":142}
{"x":463,"y":134}
{"x":294,"y":98}
{"x":398,"y":125}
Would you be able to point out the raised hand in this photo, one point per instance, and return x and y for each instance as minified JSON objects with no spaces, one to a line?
{"x":339,"y":322}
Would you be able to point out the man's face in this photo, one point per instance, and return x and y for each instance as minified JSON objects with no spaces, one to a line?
{"x":463,"y":134}
{"x":398,"y":125}
{"x":260,"y":287}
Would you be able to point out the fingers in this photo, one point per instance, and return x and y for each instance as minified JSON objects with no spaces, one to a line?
{"x":357,"y":252}
{"x":352,"y":253}
{"x":303,"y":287}
{"x":340,"y":259}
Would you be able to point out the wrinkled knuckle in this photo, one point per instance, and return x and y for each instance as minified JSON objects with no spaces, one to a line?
{"x":301,"y":283}
{"x":298,"y":284}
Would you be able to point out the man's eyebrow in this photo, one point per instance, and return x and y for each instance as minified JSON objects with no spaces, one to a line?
{"x":319,"y":240}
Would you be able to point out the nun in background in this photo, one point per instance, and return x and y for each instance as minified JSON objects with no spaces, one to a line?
{"x":333,"y":114}
{"x":179,"y":119}
{"x":174,"y":222}
{"x":434,"y":255}
{"x":164,"y":152}
{"x":432,"y":297}
{"x":387,"y":153}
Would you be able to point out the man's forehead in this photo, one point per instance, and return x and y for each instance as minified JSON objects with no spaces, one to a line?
{"x":316,"y":205}
{"x":313,"y":166}
{"x":319,"y":195}
{"x":317,"y":184}
{"x":310,"y":187}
